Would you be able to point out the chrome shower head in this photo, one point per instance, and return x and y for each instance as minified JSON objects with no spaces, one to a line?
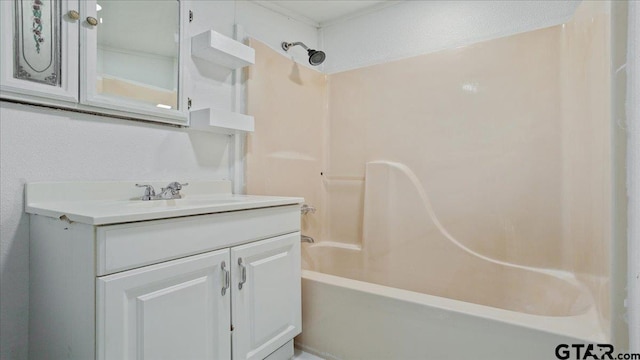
{"x":316,"y":57}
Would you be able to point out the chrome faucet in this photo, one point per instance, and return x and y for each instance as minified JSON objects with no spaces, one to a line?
{"x":172,"y":191}
{"x":149,"y":192}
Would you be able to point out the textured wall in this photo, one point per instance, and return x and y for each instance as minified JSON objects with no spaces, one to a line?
{"x":39,"y":144}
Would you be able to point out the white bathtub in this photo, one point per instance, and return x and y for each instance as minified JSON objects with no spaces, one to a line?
{"x":408,"y":289}
{"x":350,"y":319}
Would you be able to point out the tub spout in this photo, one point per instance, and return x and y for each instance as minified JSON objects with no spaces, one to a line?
{"x":305,"y":238}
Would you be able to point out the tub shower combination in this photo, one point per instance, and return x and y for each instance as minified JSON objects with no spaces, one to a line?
{"x":463,"y":196}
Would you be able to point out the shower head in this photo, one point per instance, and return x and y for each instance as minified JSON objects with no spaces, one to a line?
{"x":316,"y":57}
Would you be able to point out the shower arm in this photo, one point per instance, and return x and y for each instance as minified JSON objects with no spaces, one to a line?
{"x":286,"y":45}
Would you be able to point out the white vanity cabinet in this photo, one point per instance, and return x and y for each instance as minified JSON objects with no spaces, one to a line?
{"x":214,"y":286}
{"x":266,"y":301}
{"x":172,"y":310}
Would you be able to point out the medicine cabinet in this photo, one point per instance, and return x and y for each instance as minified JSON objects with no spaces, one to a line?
{"x":114,"y":57}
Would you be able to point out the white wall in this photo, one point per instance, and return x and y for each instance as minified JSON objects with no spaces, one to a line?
{"x":41,"y":144}
{"x":411,"y":28}
{"x":272,"y":29}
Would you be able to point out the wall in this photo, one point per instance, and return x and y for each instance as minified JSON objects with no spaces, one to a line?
{"x":41,"y":144}
{"x":480,"y":128}
{"x":258,"y":21}
{"x":417,"y":27}
{"x":207,"y":82}
{"x":633,"y":174}
{"x":509,"y":138}
{"x":285,"y":154}
{"x":585,"y":83}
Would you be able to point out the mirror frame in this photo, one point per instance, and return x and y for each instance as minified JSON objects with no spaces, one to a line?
{"x":88,"y":73}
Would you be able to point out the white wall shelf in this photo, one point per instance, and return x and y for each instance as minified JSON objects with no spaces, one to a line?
{"x":222,"y":50}
{"x":221,"y":121}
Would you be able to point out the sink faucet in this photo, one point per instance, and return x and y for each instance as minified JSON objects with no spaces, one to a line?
{"x":149,"y":192}
{"x":172,"y":191}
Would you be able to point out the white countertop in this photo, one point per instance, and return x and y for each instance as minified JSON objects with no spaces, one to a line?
{"x":97,"y":203}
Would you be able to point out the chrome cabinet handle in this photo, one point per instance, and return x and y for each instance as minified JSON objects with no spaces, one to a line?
{"x":227,"y":278}
{"x":73,"y":15}
{"x":92,"y":21}
{"x":243,"y":275}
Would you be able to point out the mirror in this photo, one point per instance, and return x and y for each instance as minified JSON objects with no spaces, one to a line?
{"x":138,"y":51}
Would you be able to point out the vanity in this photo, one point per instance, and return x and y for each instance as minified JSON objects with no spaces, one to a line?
{"x":210,"y":275}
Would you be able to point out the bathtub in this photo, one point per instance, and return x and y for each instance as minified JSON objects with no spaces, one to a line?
{"x":351,"y":319}
{"x":408,"y":289}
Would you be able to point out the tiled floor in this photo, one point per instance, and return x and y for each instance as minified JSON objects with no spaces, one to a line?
{"x":301,"y":355}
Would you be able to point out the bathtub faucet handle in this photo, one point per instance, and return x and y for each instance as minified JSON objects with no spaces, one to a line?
{"x":305,"y":209}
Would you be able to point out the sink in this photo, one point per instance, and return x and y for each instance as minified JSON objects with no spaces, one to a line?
{"x":115,"y":202}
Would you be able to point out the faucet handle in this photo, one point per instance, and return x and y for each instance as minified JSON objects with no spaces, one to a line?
{"x":306,"y":208}
{"x":149,"y":191}
{"x":172,"y":191}
{"x":176,"y":186}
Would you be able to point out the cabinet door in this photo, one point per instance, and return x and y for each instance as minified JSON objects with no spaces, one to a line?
{"x":39,"y":50}
{"x":266,"y":310}
{"x":130,"y":59}
{"x":172,"y":310}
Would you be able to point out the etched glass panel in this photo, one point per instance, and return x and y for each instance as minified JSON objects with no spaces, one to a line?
{"x":37,"y":41}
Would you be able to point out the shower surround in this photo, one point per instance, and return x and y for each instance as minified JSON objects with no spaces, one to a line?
{"x":480,"y":174}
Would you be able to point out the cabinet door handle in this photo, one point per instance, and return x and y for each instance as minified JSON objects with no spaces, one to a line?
{"x":243,"y":273}
{"x":73,"y":15}
{"x":92,"y":21}
{"x":227,"y":278}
